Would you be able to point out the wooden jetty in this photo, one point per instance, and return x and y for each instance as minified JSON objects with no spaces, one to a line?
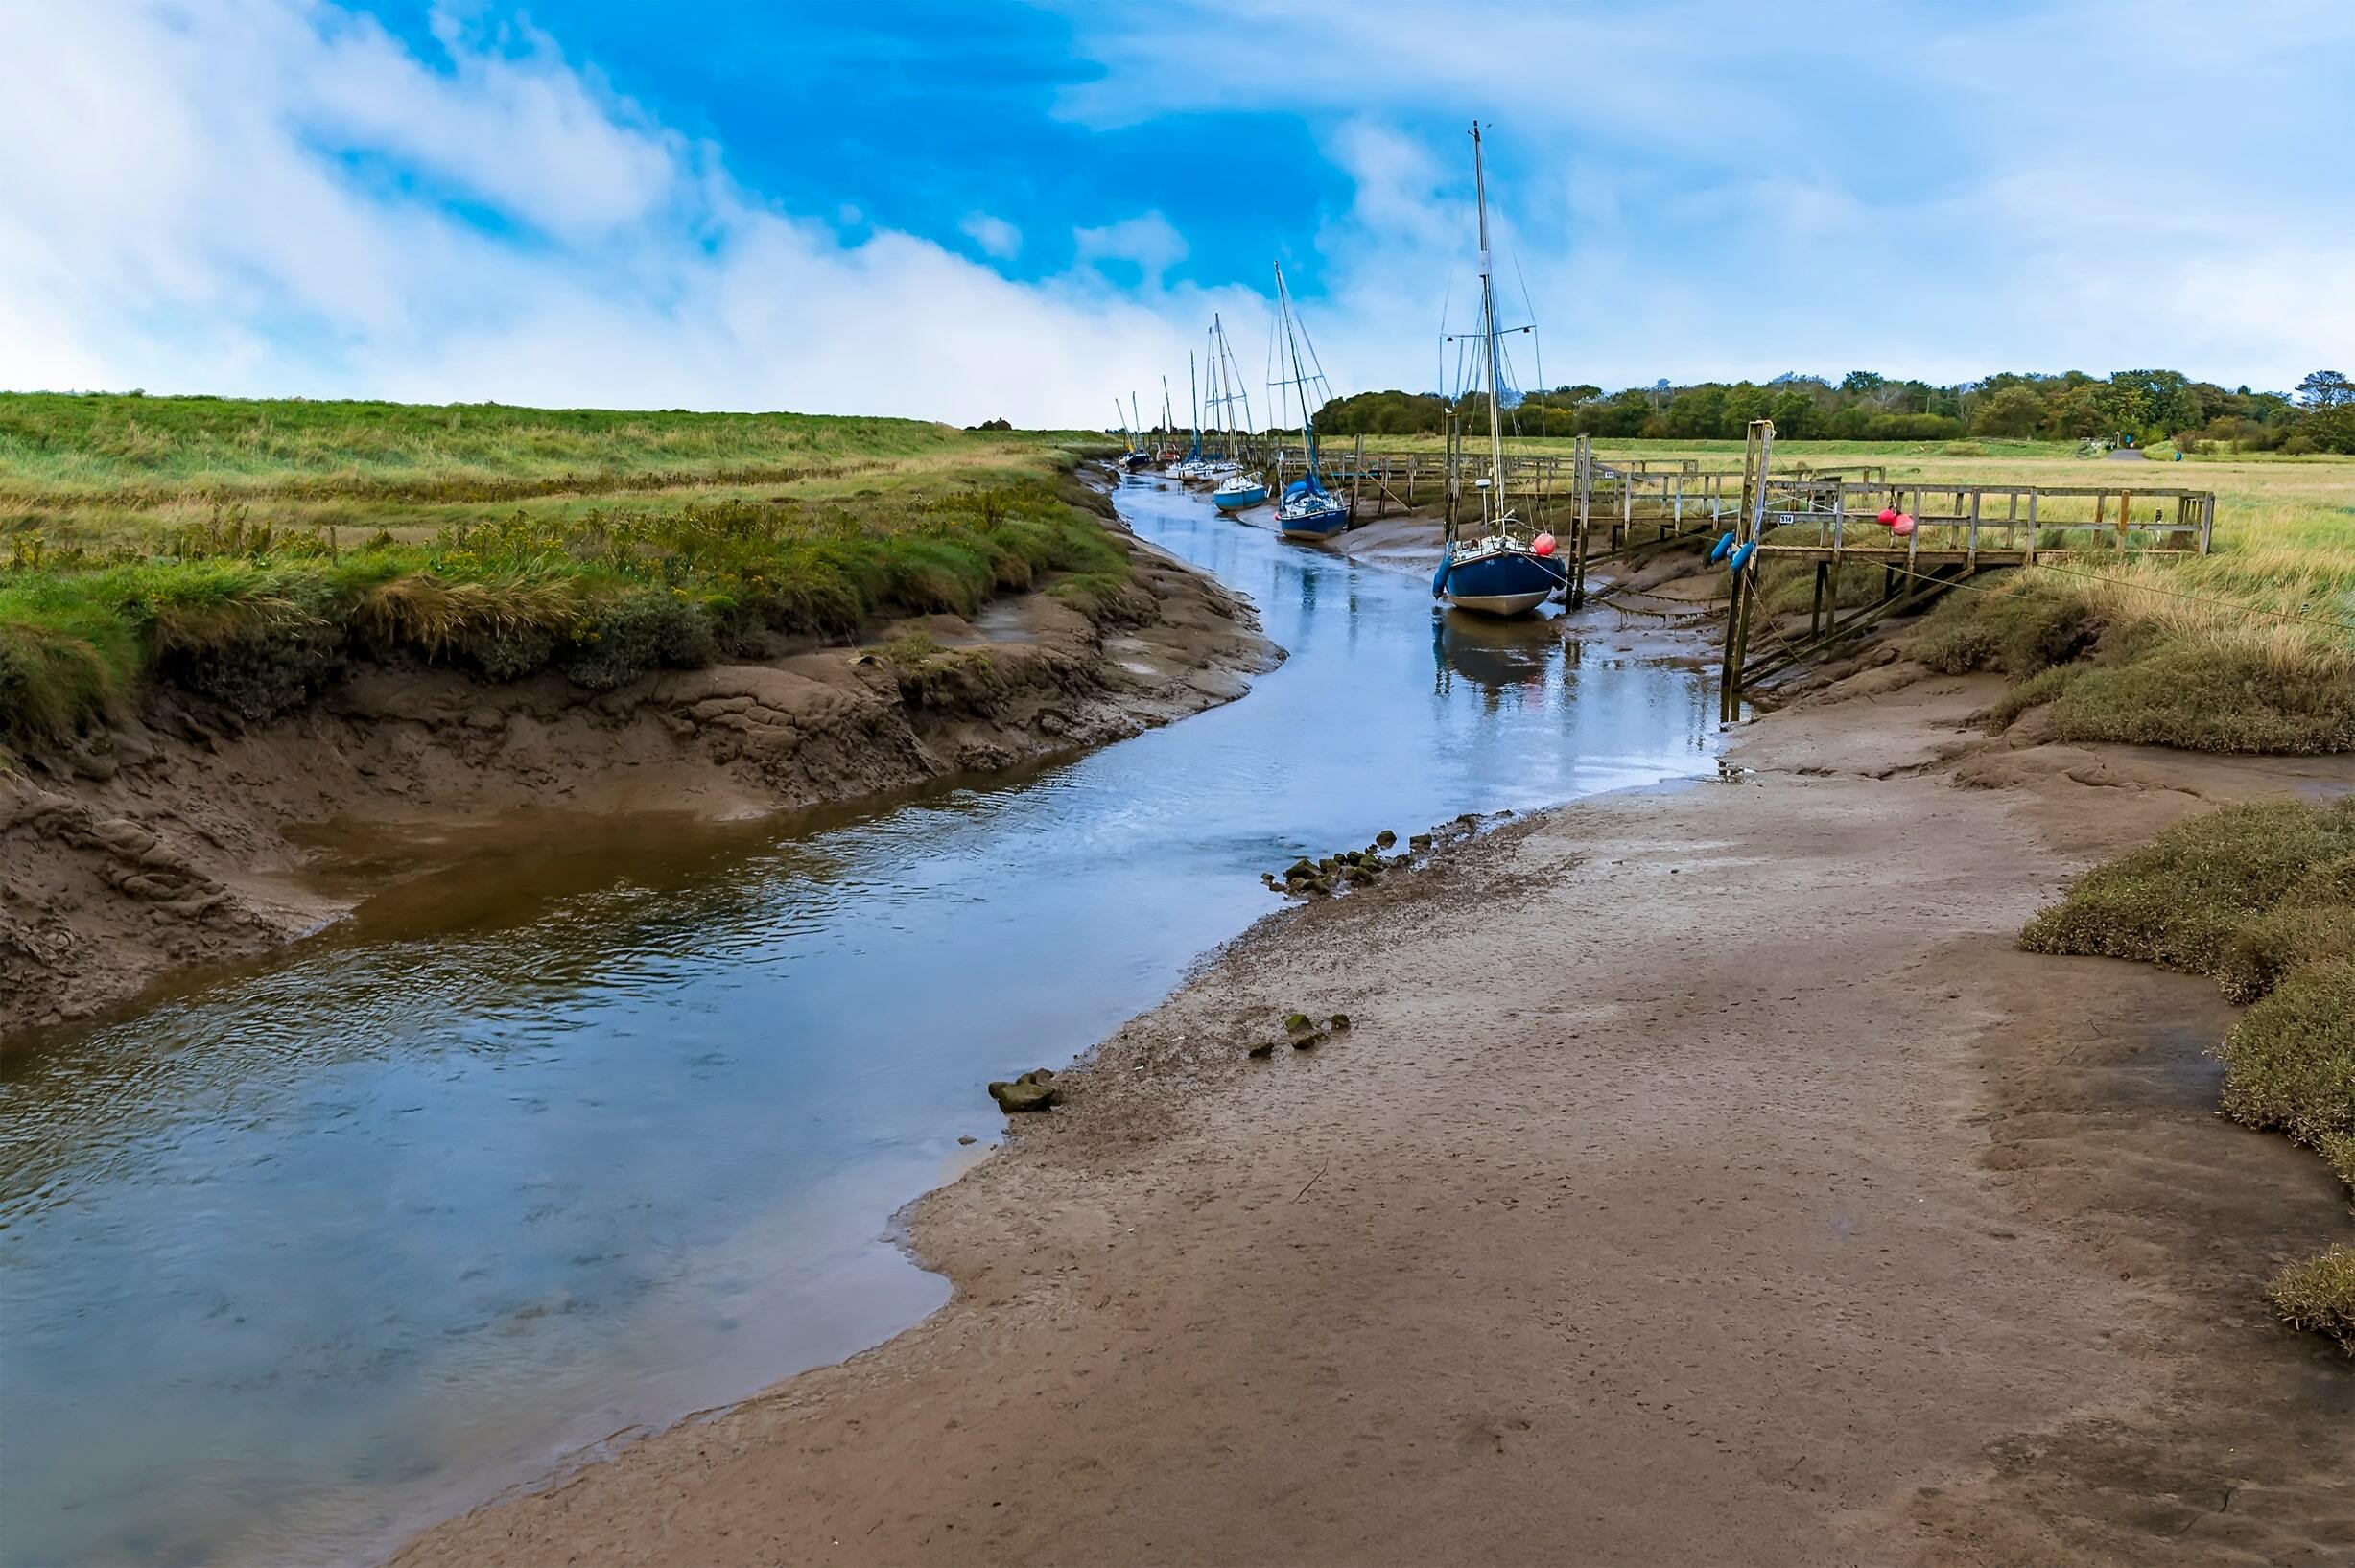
{"x":1616,"y":509}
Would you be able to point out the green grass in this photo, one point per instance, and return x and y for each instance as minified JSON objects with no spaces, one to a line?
{"x":250,"y":552}
{"x":2262,"y":899}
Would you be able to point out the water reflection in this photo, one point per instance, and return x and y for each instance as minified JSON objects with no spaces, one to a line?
{"x":602,"y":1122}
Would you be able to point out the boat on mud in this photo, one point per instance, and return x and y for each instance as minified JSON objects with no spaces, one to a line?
{"x":1308,"y":511}
{"x":1507,"y":568}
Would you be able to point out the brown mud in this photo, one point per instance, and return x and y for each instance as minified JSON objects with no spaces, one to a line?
{"x":177,"y":840}
{"x":1704,"y":1179}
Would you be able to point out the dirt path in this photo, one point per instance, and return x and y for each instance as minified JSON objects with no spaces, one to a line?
{"x":1704,"y":1179}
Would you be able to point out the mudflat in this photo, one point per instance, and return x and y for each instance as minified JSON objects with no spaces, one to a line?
{"x":1703,"y":1179}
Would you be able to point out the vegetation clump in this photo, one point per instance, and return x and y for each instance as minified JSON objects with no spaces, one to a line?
{"x":2319,"y":1294}
{"x":251,"y":554}
{"x":2262,"y":899}
{"x":2109,"y":669}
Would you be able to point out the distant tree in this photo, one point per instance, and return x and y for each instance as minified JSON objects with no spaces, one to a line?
{"x":2014,"y":412}
{"x":2326,"y":411}
{"x":1862,"y":382}
{"x":994,"y":424}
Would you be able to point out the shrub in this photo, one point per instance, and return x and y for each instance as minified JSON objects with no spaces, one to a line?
{"x":2289,"y":1061}
{"x":2209,"y":695}
{"x":2181,"y":900}
{"x":2313,"y":921}
{"x":2319,"y":1295}
{"x":2020,"y":628}
{"x":636,"y":633}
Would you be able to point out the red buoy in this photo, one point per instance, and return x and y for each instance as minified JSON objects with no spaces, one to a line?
{"x":1544,"y":544}
{"x":1889,"y":515}
{"x":1902,"y":527}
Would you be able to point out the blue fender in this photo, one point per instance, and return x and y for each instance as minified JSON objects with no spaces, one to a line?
{"x":1741,"y":556}
{"x":1439,"y":578}
{"x":1725,"y":542}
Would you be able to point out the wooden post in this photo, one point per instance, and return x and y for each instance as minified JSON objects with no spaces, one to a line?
{"x":1815,"y":613}
{"x":2126,"y":508}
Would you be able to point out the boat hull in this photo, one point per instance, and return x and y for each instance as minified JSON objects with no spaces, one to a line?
{"x":1234,"y":500}
{"x":1318,"y":522}
{"x":1500,"y":583}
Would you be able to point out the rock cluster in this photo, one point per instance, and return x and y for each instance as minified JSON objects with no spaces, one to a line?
{"x":1303,"y":1033}
{"x":1345,"y":869}
{"x":1033,"y":1090}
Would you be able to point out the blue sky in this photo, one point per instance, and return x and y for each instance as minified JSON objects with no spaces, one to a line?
{"x":962,"y":210}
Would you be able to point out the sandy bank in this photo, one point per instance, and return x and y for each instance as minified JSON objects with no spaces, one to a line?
{"x":166,"y":844}
{"x":1706,"y":1180}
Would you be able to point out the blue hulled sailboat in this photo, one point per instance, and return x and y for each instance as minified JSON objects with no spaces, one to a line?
{"x":1506,"y":568}
{"x":1306,"y":509}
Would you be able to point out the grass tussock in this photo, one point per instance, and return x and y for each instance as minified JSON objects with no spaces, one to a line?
{"x":2262,"y":899}
{"x":359,"y":531}
{"x":2214,"y":894}
{"x":2319,"y":1294}
{"x":2120,"y":664}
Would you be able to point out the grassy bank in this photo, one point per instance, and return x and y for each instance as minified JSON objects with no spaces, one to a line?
{"x":2262,"y":899}
{"x":251,"y":552}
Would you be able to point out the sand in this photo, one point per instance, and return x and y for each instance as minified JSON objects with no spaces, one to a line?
{"x":171,"y":842}
{"x":1704,"y":1179}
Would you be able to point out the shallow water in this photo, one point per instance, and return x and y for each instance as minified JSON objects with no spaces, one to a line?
{"x":605,"y":1122}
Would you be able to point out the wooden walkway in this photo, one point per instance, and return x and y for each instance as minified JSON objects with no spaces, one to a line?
{"x":1605,"y":509}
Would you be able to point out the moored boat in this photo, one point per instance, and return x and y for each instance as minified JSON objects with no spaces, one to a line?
{"x":1306,"y":509}
{"x":1507,"y":568}
{"x":1238,"y":491}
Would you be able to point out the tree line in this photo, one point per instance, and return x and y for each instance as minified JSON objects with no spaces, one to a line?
{"x":2145,"y":407}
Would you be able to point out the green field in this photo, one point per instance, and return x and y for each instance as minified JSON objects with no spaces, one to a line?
{"x":252,"y":551}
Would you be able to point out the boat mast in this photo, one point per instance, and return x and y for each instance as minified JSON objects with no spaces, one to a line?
{"x":1300,"y":375}
{"x":1488,"y":332}
{"x":1193,"y":395}
{"x":1234,"y":375}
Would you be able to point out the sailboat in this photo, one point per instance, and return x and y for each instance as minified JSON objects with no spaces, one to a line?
{"x":1507,"y":568}
{"x":1168,"y":428}
{"x":1192,"y":468}
{"x":1137,"y":457}
{"x":1238,"y":486}
{"x":1306,"y":509}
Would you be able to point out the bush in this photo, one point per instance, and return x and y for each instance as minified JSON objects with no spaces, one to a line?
{"x":635,"y":634}
{"x":2204,"y":695}
{"x":2021,"y":629}
{"x":2319,"y":1295}
{"x":2313,"y":921}
{"x":2182,"y":901}
{"x":2290,"y":1061}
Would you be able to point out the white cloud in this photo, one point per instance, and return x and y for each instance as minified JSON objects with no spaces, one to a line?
{"x":1710,"y":190}
{"x":1148,"y":240}
{"x":994,"y":235}
{"x":192,"y":198}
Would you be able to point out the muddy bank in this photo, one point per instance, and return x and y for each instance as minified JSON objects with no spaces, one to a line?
{"x":166,"y":843}
{"x":1703,"y":1178}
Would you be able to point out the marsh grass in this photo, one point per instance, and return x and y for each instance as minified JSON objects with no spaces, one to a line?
{"x":2261,"y":897}
{"x":251,"y":552}
{"x":2319,"y":1294}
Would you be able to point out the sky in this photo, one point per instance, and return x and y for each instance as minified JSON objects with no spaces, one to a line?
{"x":972,"y":210}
